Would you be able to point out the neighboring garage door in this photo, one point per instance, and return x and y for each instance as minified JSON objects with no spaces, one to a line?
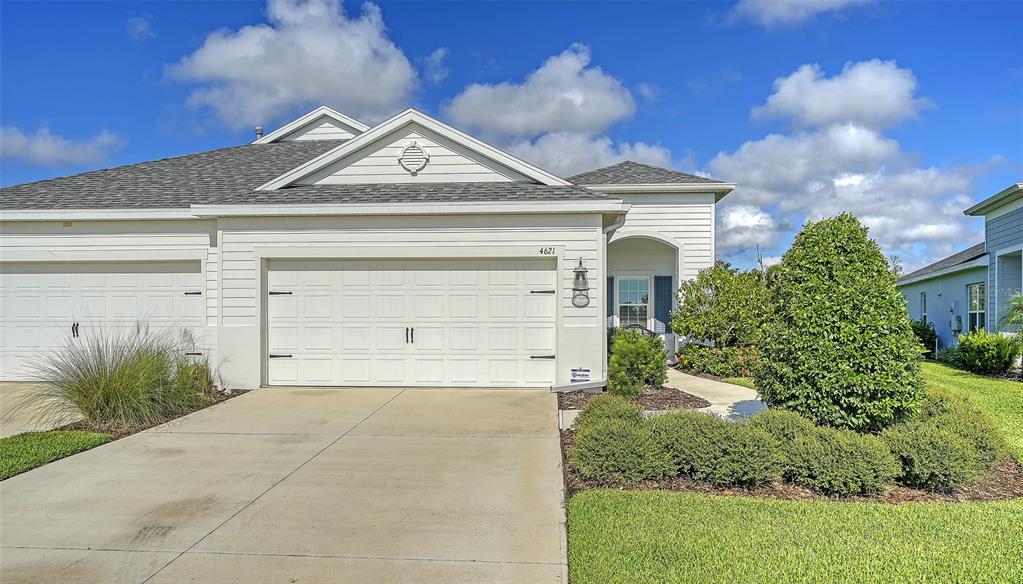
{"x":446,"y":323}
{"x":41,"y":301}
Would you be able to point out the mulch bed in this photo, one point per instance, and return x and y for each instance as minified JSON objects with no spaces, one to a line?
{"x":122,"y":431}
{"x":665,"y":398}
{"x":1003,"y":481}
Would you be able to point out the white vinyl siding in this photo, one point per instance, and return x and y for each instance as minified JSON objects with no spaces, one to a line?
{"x":923,"y":307}
{"x":378,"y":163}
{"x":687,"y":219}
{"x":323,"y":129}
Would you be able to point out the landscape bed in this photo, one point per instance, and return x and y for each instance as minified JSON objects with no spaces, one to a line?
{"x":665,"y":398}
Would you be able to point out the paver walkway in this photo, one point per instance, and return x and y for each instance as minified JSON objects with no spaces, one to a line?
{"x":304,"y":485}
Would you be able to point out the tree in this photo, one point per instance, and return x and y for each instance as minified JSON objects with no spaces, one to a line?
{"x":723,"y":305}
{"x":839,"y":348}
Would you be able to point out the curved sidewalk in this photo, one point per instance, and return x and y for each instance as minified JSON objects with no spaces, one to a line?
{"x":732,"y":402}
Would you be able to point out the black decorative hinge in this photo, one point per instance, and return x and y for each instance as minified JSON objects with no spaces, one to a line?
{"x":277,"y":356}
{"x":193,"y":293}
{"x":272,"y":293}
{"x":541,"y":356}
{"x":543,"y":291}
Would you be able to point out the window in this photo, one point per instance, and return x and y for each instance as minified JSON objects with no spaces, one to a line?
{"x":633,"y":300}
{"x":978,"y":305}
{"x":923,"y":307}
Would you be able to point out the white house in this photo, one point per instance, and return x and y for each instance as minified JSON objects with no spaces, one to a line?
{"x":330,"y":253}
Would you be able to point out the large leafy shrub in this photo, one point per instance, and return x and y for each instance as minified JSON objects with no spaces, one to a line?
{"x":931,"y":457}
{"x":928,"y":337}
{"x":718,"y":361}
{"x":839,"y":348}
{"x":841,"y":462}
{"x":983,"y":352}
{"x":618,"y":451}
{"x":636,"y":361}
{"x":608,"y":407}
{"x":130,"y":379}
{"x":723,"y":306}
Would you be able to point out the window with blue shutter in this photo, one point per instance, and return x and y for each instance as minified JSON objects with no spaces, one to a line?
{"x":610,"y":300}
{"x":662,"y":303}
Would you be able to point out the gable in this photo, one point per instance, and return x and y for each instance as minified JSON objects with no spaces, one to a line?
{"x":324,"y":128}
{"x":428,"y":157}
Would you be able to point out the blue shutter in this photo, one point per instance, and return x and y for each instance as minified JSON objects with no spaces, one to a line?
{"x":610,"y":297}
{"x":662,"y":302}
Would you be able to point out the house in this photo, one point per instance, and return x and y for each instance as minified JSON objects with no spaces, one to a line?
{"x":968,"y":290}
{"x":331,"y":253}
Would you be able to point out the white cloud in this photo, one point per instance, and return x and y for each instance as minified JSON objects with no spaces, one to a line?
{"x":140,"y":28}
{"x":771,"y":13}
{"x":743,"y":226}
{"x":310,"y":53}
{"x":565,"y":94}
{"x":648,"y":91}
{"x":873,"y":93}
{"x":43,"y":148}
{"x":568,"y":153}
{"x":434,"y":68}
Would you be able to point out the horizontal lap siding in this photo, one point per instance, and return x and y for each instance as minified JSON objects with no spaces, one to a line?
{"x":105,"y":235}
{"x":1004,"y":231}
{"x":241,"y":240}
{"x":688,"y":219}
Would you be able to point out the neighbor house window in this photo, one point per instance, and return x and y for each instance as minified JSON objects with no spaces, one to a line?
{"x":633,"y":301}
{"x":923,"y":307}
{"x":978,"y":304}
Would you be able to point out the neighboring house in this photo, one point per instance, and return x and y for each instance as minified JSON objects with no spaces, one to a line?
{"x":332,"y":253}
{"x":968,"y":291}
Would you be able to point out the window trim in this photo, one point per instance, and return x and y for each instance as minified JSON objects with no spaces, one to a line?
{"x":923,"y":307}
{"x":981,"y":288}
{"x":619,"y":278}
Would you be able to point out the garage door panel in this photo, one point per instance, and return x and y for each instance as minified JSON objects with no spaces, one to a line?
{"x":475,"y":322}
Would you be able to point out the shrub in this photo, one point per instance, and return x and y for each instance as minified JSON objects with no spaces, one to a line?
{"x":959,"y":415}
{"x":720,"y":362}
{"x":692,"y":440}
{"x":618,"y":451}
{"x":931,"y":457}
{"x":785,"y":427}
{"x":749,"y":457}
{"x":839,"y":348}
{"x":927,"y":336}
{"x":984,"y":352}
{"x":723,"y":306}
{"x":841,"y":462}
{"x":636,"y":361}
{"x":608,"y":407}
{"x":126,"y":379}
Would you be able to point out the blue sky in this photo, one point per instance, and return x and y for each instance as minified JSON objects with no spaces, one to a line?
{"x":902,"y":113}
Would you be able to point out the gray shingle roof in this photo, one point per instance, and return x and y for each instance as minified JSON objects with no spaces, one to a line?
{"x":229,"y":175}
{"x":969,"y":254}
{"x":628,"y":172}
{"x":168,"y":183}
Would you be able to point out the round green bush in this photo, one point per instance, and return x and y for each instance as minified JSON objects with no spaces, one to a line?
{"x":786,"y":427}
{"x":619,"y":451}
{"x":959,"y":415}
{"x":636,"y":361}
{"x":608,"y":407}
{"x":933,"y":458}
{"x":692,"y":440}
{"x":749,"y":457}
{"x":838,"y":348}
{"x":984,"y":352}
{"x":842,"y":462}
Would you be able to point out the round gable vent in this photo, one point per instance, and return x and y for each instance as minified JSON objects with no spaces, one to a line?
{"x":413,"y":158}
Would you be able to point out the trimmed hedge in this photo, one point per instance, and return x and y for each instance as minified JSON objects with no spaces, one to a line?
{"x":839,"y":348}
{"x":749,"y":457}
{"x":982,"y":352}
{"x":786,"y":427}
{"x":692,"y":440}
{"x":608,"y":407}
{"x":933,"y":458}
{"x":636,"y":361}
{"x":619,"y":451}
{"x":718,"y":361}
{"x":841,"y":462}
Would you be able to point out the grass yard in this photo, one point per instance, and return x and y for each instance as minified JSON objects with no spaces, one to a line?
{"x":743,"y":381}
{"x":1002,"y":398}
{"x":658,"y":536}
{"x":23,"y":452}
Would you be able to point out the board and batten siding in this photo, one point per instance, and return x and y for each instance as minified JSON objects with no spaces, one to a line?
{"x":1003,"y":231}
{"x":378,"y":163}
{"x":688,"y":219}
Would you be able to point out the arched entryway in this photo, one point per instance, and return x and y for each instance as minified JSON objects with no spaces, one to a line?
{"x":643,"y":274}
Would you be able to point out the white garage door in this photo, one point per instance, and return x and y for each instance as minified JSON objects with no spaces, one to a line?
{"x":41,"y":302}
{"x":454,"y":323}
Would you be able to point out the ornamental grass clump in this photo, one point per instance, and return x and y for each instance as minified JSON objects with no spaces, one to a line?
{"x":122,"y":378}
{"x":838,"y":348}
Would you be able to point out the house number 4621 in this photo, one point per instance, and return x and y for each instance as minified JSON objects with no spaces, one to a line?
{"x":546,"y":251}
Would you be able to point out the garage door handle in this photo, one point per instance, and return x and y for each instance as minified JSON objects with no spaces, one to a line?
{"x":278,"y":356}
{"x":541,"y":356}
{"x":542,"y":291}
{"x":195,"y":354}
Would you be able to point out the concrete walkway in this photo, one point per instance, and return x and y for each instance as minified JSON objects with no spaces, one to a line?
{"x":732,"y":402}
{"x":304,"y":485}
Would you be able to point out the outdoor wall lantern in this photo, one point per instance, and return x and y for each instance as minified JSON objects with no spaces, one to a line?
{"x":580,"y":287}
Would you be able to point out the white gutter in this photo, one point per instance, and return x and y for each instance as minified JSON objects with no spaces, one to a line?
{"x":443,"y":208}
{"x":93,"y":214}
{"x":665,"y":188}
{"x":977,"y":263}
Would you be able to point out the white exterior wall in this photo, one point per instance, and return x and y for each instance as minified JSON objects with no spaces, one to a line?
{"x":684,"y":219}
{"x":323,"y":129}
{"x":247,"y":243}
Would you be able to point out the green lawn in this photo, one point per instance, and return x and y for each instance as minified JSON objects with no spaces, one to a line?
{"x":24,"y":452}
{"x":657,"y":536}
{"x":1003,"y":399}
{"x":743,"y":381}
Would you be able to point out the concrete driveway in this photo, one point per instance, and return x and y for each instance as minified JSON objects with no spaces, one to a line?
{"x":16,"y":416}
{"x":304,"y":485}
